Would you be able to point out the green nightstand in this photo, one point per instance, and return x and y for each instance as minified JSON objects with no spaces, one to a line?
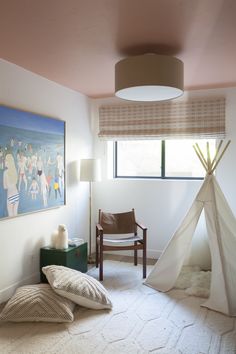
{"x":72,"y":257}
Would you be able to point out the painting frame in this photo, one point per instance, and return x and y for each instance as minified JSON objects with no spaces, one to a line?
{"x":32,"y":162}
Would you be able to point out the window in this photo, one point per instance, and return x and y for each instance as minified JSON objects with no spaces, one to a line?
{"x":159,"y":159}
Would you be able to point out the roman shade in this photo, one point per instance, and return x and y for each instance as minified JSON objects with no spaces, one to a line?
{"x":193,"y":119}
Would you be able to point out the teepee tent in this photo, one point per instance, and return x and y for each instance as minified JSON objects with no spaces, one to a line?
{"x":221,"y":230}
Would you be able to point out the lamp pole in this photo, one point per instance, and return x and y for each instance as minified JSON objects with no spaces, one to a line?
{"x":90,"y":172}
{"x":90,"y":258}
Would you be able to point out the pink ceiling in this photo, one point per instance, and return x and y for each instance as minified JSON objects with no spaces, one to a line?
{"x":77,"y":42}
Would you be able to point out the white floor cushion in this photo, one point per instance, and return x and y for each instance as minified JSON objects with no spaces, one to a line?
{"x":37,"y":303}
{"x":81,"y":288}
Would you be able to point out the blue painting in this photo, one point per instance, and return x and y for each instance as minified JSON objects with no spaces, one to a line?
{"x":32,"y":162}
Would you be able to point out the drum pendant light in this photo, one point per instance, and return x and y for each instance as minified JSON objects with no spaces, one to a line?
{"x":149,"y":77}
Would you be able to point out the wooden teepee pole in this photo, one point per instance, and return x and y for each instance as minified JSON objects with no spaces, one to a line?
{"x":208,"y":157}
{"x":200,"y":158}
{"x":203,"y":157}
{"x":220,"y":157}
{"x":216,"y":154}
{"x":209,"y":165}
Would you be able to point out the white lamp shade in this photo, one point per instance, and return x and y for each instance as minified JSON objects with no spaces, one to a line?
{"x":90,"y":170}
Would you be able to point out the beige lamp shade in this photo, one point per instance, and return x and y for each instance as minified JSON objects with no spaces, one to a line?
{"x":149,"y":77}
{"x":90,"y":170}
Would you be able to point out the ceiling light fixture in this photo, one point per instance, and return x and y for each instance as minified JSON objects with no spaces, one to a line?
{"x":149,"y":77}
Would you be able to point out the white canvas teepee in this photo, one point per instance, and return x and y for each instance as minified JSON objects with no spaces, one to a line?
{"x":221,"y":230}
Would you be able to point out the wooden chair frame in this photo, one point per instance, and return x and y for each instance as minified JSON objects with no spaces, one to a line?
{"x":138,"y":244}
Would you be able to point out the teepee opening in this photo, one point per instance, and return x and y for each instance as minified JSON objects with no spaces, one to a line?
{"x":195,"y":275}
{"x":221,"y":234}
{"x":199,"y":253}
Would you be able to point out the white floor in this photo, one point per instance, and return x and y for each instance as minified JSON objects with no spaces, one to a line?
{"x":142,"y":321}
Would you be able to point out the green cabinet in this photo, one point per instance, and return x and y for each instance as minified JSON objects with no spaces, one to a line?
{"x":72,"y":257}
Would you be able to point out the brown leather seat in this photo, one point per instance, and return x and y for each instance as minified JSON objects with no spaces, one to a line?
{"x":117,"y":232}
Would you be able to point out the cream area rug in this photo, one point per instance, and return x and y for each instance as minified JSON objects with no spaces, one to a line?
{"x":142,"y":321}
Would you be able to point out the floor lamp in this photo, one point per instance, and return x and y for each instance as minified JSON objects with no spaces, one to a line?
{"x":90,"y":171}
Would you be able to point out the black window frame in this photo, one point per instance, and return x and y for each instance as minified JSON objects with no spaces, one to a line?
{"x":163,"y":176}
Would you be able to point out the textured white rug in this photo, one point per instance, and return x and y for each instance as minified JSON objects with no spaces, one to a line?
{"x":142,"y":321}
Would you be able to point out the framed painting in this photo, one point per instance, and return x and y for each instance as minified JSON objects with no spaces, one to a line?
{"x":32,"y":162}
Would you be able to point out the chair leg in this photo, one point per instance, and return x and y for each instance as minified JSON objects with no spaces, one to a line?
{"x":96,"y":252}
{"x":135,"y":254}
{"x":101,"y":260}
{"x":144,"y":256}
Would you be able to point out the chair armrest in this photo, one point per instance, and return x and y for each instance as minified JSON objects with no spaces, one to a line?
{"x":141,"y":226}
{"x":99,"y":227}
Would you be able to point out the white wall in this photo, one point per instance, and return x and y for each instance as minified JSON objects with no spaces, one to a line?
{"x":161,"y":204}
{"x":22,"y":237}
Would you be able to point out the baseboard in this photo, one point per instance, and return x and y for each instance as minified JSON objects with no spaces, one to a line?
{"x":5,"y":294}
{"x":152,"y":254}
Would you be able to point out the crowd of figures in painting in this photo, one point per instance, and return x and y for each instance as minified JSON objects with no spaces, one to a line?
{"x":31,"y":170}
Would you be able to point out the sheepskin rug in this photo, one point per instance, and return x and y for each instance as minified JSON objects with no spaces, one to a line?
{"x":195,"y":281}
